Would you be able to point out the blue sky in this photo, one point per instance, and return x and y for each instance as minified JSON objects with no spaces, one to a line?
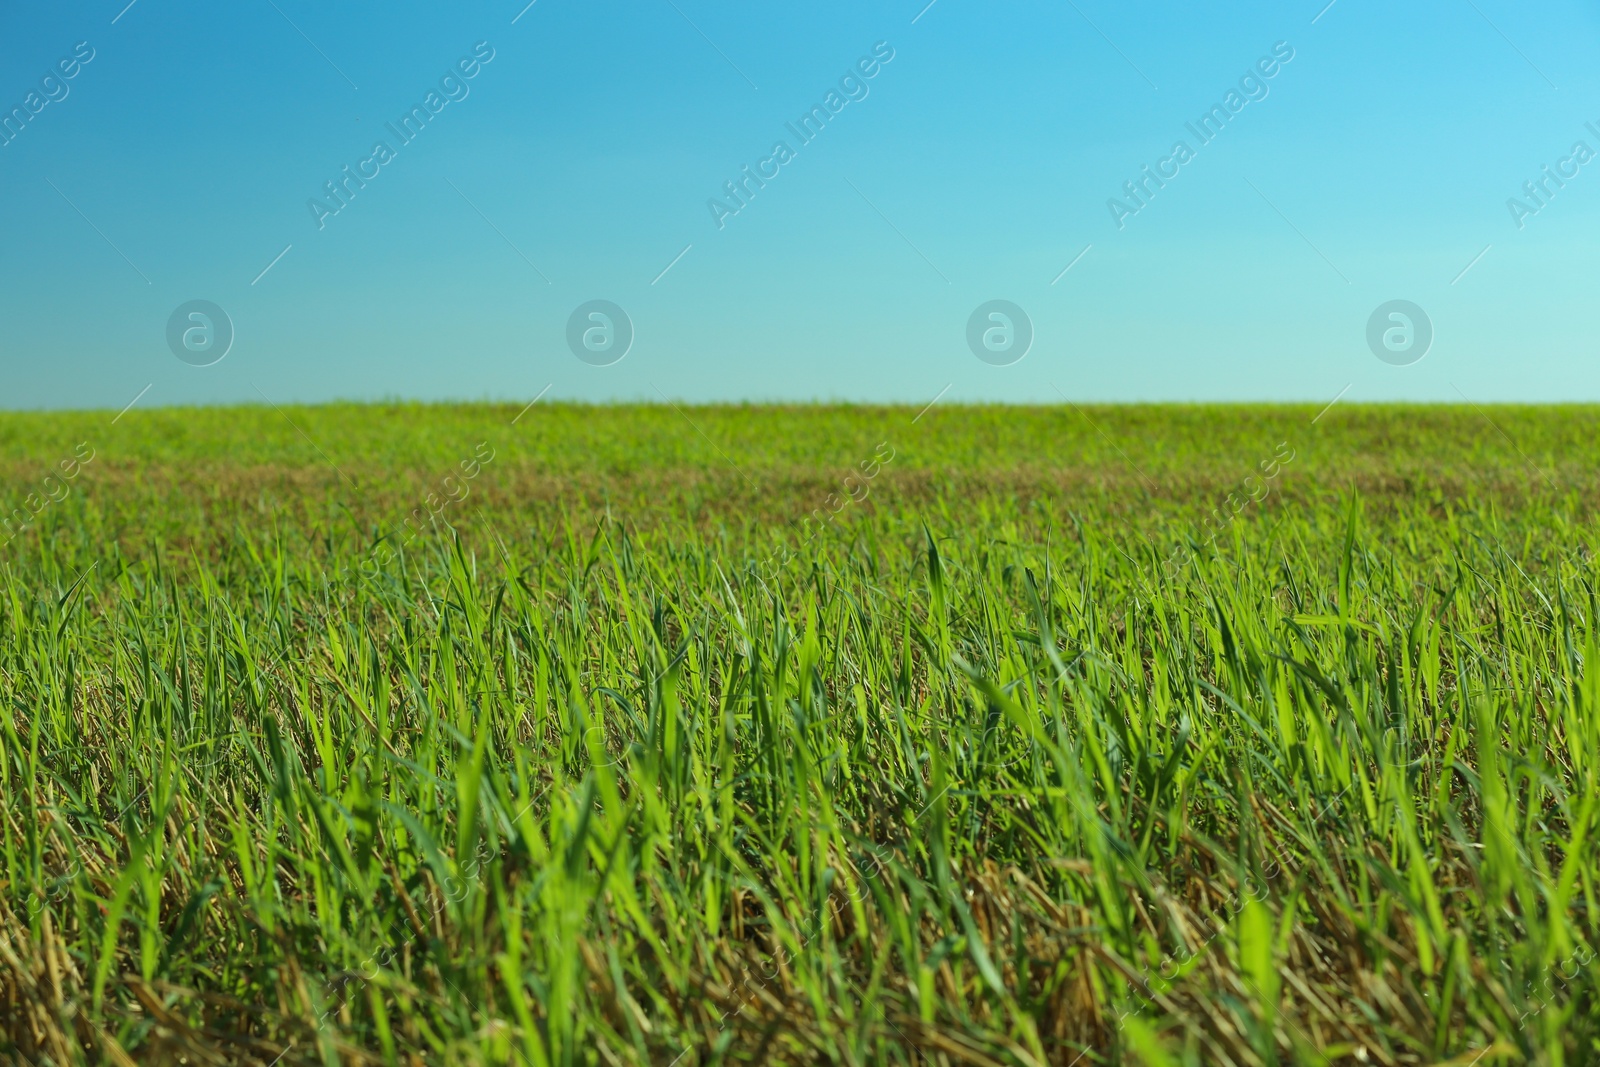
{"x":975,"y":165}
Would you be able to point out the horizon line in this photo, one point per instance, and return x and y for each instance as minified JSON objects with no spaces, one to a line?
{"x":909,"y":405}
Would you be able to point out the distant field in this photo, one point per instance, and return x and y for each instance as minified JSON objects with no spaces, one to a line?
{"x":644,"y":735}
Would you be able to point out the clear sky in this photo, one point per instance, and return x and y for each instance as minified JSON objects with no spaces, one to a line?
{"x":572,"y":152}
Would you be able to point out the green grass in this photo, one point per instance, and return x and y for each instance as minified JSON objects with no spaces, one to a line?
{"x":1034,"y":750}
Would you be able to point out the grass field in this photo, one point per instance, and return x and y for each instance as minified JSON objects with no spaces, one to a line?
{"x":847,"y":735}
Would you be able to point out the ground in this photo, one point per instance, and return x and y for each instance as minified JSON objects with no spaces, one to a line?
{"x":656,"y":735}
